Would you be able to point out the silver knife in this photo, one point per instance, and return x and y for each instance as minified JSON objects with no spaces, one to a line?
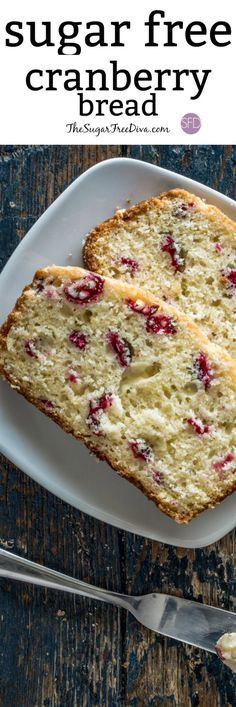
{"x":184,"y":620}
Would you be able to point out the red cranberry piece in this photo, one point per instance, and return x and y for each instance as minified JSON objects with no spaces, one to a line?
{"x":51,"y":292}
{"x":160,"y":324}
{"x":88,"y":289}
{"x":198,"y":426}
{"x":71,"y":375}
{"x":218,"y":247}
{"x":131,"y":264}
{"x":157,"y":476}
{"x":96,"y":408}
{"x":47,"y":404}
{"x":156,"y":323}
{"x":229,"y":277}
{"x":141,"y":308}
{"x":30,"y":348}
{"x":203,"y":369}
{"x":121,"y":347}
{"x":141,"y":449}
{"x":220,"y":464}
{"x":78,"y":339}
{"x":169,"y":246}
{"x":181,"y":210}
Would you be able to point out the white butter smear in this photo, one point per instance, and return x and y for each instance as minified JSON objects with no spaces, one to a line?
{"x":226,"y":650}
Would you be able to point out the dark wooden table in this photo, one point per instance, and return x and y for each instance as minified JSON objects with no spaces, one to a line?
{"x":55,"y":649}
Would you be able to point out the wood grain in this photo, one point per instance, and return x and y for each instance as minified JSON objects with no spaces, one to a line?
{"x":57,"y":650}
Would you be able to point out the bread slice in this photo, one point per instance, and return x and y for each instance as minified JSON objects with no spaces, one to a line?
{"x":133,"y":378}
{"x":179,"y":248}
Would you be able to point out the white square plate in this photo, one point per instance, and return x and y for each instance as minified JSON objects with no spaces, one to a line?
{"x":32,"y":441}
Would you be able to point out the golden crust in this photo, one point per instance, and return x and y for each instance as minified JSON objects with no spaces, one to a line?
{"x":125,"y":291}
{"x":95,"y":238}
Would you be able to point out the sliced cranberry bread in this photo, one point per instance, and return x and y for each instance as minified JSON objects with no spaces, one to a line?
{"x":133,"y":378}
{"x":179,"y":248}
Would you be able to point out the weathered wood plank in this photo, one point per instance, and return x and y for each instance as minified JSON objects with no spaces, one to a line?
{"x":55,"y":649}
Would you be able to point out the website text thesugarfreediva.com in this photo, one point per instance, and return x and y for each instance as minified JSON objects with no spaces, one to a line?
{"x":76,"y":128}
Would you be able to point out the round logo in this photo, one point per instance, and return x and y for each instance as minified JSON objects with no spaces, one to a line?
{"x":191,"y":123}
